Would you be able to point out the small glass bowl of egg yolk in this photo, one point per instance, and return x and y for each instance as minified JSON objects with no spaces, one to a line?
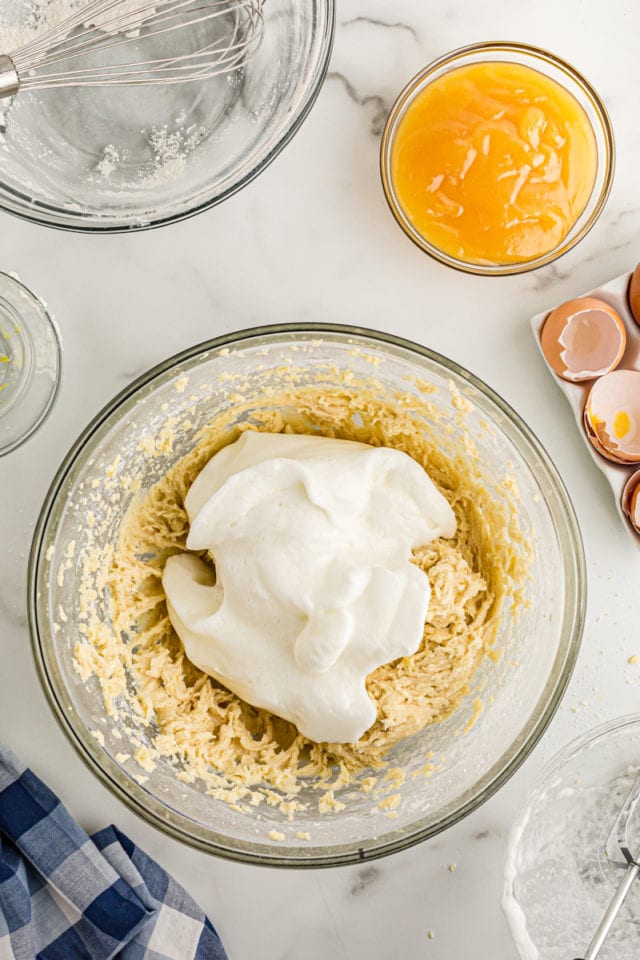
{"x":497,"y":158}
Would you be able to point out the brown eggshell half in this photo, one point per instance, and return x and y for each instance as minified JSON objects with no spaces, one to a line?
{"x":631,"y":499}
{"x":634,"y":294}
{"x":583,"y":339}
{"x":595,"y":442}
{"x":612,"y":416}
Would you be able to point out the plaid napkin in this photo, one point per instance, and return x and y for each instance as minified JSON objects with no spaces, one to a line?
{"x":65,"y":896}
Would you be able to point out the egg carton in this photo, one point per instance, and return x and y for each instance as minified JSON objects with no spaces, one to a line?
{"x":614,"y":293}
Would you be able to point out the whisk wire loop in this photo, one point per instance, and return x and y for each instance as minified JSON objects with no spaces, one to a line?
{"x":53,"y":58}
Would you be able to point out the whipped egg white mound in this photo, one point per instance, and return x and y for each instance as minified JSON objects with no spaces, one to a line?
{"x":313,"y":587}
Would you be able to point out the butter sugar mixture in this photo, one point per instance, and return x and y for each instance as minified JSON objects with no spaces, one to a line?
{"x":211,"y":734}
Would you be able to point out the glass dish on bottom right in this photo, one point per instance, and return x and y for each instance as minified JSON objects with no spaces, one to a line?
{"x":558,"y":881}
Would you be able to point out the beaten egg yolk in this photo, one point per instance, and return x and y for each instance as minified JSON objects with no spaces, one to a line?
{"x":493,"y":163}
{"x":621,"y":424}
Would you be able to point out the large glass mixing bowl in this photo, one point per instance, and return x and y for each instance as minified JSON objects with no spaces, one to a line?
{"x":473,"y":752}
{"x":108,"y":159}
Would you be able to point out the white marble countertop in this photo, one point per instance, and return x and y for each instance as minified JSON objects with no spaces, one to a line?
{"x":315,"y":238}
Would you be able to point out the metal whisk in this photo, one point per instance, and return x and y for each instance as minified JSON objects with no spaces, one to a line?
{"x":622,"y":852}
{"x":217,"y":37}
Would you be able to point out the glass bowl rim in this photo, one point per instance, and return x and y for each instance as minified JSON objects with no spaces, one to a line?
{"x":460,"y":54}
{"x":51,"y":324}
{"x":153,"y":810}
{"x":29,"y":212}
{"x":571,"y":749}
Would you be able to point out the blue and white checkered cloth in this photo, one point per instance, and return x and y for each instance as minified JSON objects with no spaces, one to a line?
{"x":67,"y":896}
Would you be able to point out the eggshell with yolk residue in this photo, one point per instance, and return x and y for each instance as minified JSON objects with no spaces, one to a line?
{"x":631,"y":499}
{"x":612,"y":416}
{"x":598,"y":446}
{"x":583,"y":339}
{"x":634,"y":294}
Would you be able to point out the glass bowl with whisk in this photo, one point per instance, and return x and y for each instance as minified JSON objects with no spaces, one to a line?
{"x":563,"y":863}
{"x":473,"y":752}
{"x":113,"y":159}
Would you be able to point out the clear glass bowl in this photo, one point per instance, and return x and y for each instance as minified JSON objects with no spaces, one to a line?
{"x":128,"y":158}
{"x":553,"y":67}
{"x":521,"y":691}
{"x":30,"y":363}
{"x":558,"y":882}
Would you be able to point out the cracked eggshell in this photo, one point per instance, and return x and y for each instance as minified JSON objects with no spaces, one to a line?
{"x":631,"y":499}
{"x":583,"y":339}
{"x":596,"y":442}
{"x":612,"y":416}
{"x":634,"y":294}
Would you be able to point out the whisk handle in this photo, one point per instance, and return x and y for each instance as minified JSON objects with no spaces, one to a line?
{"x":9,"y":81}
{"x":613,"y":910}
